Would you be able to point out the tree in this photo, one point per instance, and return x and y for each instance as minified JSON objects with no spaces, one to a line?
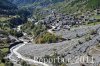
{"x":15,"y":33}
{"x":63,"y":64}
{"x":88,"y":37}
{"x":9,"y":64}
{"x":47,"y":38}
{"x":24,"y":14}
{"x":23,"y":63}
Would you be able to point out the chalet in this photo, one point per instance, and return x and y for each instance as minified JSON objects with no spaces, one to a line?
{"x":98,"y":11}
{"x":92,"y":20}
{"x":66,"y":27}
{"x":82,"y":16}
{"x":31,"y":19}
{"x":1,"y":36}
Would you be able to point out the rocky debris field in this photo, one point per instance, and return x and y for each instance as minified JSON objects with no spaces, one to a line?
{"x":74,"y":32}
{"x":78,"y":45}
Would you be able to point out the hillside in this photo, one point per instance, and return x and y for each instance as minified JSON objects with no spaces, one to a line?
{"x":72,"y":6}
{"x":68,"y":6}
{"x":5,"y":4}
{"x":28,"y":3}
{"x":62,"y":6}
{"x":7,"y":8}
{"x":49,"y":32}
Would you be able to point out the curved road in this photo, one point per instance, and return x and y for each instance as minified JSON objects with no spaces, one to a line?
{"x":26,"y":59}
{"x":15,"y":49}
{"x":50,"y":30}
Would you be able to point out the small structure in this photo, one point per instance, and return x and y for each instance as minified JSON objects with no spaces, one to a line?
{"x":66,"y":27}
{"x":98,"y":11}
{"x":31,"y":19}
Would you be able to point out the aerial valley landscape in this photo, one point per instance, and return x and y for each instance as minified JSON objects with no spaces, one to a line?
{"x":49,"y":32}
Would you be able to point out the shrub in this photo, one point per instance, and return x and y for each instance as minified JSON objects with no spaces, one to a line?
{"x":38,"y":29}
{"x":88,"y":37}
{"x":92,"y":32}
{"x":24,"y":63}
{"x":15,"y":33}
{"x":47,"y":38}
{"x":80,"y":42}
{"x":9,"y":64}
{"x":77,"y":36}
{"x":63,"y":64}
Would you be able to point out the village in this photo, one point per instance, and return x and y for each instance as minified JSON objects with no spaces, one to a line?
{"x":60,"y":21}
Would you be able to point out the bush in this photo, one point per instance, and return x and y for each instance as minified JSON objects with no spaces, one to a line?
{"x":24,"y":63}
{"x":15,"y":33}
{"x":80,"y":42}
{"x":48,"y":38}
{"x":77,"y":36}
{"x":38,"y":29}
{"x":92,"y":32}
{"x":63,"y":64}
{"x":9,"y":64}
{"x":88,"y":37}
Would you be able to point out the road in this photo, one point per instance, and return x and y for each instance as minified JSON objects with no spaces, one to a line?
{"x":14,"y":50}
{"x":81,"y":48}
{"x":50,"y":30}
{"x":26,"y":59}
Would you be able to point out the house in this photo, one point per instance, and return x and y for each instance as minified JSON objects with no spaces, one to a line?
{"x":92,"y":20}
{"x":97,"y":11}
{"x":66,"y":27}
{"x":31,"y":19}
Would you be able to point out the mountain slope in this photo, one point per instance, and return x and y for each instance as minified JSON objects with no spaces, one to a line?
{"x":71,"y":6}
{"x":5,"y":4}
{"x":7,"y":8}
{"x":68,"y":6}
{"x":93,"y":4}
{"x":35,"y":2}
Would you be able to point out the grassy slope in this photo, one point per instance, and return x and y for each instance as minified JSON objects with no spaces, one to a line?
{"x":1,"y":64}
{"x":76,"y":5}
{"x":97,"y":16}
{"x":93,"y":4}
{"x":5,"y":50}
{"x":34,"y":3}
{"x":4,"y":18}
